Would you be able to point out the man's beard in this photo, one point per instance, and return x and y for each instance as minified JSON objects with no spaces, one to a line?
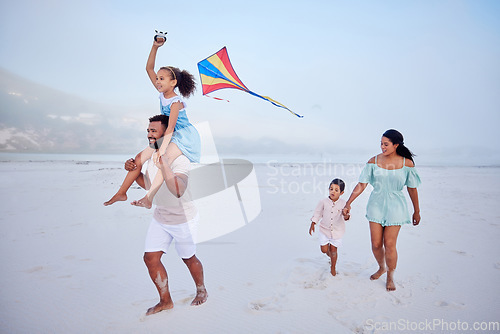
{"x":157,"y":144}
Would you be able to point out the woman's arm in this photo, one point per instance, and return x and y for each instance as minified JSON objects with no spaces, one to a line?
{"x":360,"y":187}
{"x":416,"y":207}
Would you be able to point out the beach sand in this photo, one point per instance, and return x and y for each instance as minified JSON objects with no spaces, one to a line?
{"x":71,"y":265}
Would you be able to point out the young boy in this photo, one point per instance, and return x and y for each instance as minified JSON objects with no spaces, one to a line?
{"x":332,"y":225}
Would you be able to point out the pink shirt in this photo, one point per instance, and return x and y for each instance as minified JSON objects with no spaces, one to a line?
{"x":332,"y":221}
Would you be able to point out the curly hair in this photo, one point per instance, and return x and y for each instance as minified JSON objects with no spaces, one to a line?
{"x":185,"y":80}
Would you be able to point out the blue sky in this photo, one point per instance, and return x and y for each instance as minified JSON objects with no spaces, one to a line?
{"x":353,"y":68}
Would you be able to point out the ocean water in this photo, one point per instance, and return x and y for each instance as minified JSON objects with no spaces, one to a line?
{"x":62,"y":157}
{"x":257,"y":159}
{"x":344,"y":158}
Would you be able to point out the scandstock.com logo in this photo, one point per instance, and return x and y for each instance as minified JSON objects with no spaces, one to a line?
{"x":225,"y":192}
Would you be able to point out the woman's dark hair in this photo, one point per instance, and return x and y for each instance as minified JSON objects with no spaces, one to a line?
{"x":338,"y":182}
{"x":185,"y":80}
{"x":397,"y":138}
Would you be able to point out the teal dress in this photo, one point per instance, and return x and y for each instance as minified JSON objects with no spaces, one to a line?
{"x":185,"y":135}
{"x":387,"y":203}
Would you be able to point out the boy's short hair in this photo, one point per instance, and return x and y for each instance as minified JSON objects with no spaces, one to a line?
{"x":160,"y":118}
{"x":338,"y":182}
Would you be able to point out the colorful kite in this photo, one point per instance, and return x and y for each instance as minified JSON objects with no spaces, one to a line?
{"x":216,"y":72}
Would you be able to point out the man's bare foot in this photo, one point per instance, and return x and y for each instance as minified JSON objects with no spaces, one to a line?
{"x":389,"y":285}
{"x":117,"y":197}
{"x":201,"y":296}
{"x":333,"y":271}
{"x":379,"y":273}
{"x":161,"y":306}
{"x":143,"y":202}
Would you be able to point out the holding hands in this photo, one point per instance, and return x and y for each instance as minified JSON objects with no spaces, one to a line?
{"x":347,"y":211}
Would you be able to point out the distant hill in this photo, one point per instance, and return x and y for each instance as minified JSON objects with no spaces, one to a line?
{"x":35,"y":118}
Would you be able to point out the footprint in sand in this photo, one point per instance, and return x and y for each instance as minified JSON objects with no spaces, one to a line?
{"x":452,"y":305}
{"x":459,"y":252}
{"x":266,"y":304}
{"x":34,"y":269}
{"x":65,"y":276}
{"x":497,"y":265}
{"x":435,"y":281}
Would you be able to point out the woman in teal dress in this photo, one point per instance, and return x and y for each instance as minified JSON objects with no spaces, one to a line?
{"x":387,"y":210}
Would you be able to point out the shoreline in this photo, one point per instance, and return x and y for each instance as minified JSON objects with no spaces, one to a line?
{"x":255,"y":160}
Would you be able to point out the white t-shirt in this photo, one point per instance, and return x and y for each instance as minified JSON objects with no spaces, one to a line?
{"x":169,"y":209}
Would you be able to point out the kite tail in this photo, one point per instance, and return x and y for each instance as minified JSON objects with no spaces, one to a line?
{"x":276,"y":103}
{"x":216,"y":98}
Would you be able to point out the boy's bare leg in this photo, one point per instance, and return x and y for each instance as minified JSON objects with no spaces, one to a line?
{"x":196,"y":269}
{"x":333,"y":258}
{"x":159,"y":277}
{"x":172,"y":153}
{"x":377,"y":239}
{"x":121,"y":194}
{"x":325,"y":249}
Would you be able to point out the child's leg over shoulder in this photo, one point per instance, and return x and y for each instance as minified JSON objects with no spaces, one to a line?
{"x":172,"y":152}
{"x":121,"y":194}
{"x":144,"y":156}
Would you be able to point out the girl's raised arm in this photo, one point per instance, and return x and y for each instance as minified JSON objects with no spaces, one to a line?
{"x":150,"y":65}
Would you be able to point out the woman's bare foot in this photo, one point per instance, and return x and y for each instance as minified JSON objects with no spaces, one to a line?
{"x":389,"y":285}
{"x":117,"y":197}
{"x":145,"y":202}
{"x":333,"y":271}
{"x":201,"y":296}
{"x":379,"y":273}
{"x":161,"y":306}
